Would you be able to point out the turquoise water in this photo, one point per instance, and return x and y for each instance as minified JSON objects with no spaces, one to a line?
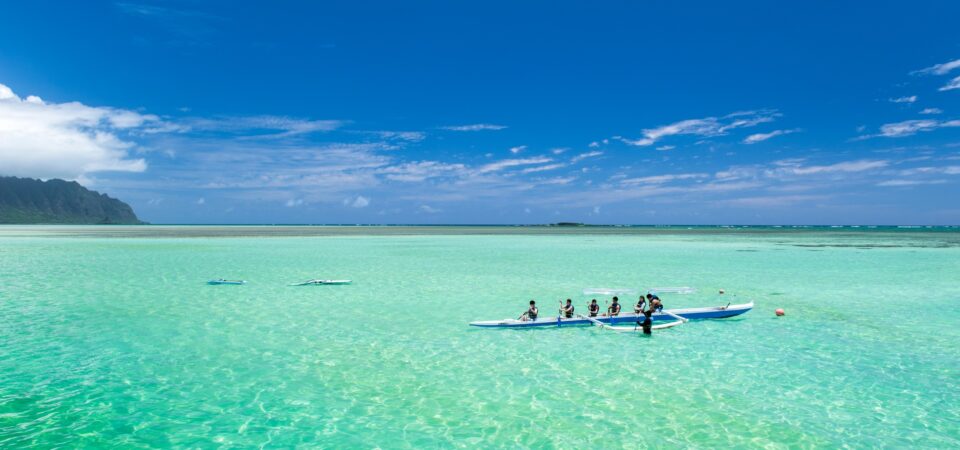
{"x":110,"y":341}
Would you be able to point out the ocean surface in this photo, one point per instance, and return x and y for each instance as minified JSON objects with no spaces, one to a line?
{"x":110,"y":337}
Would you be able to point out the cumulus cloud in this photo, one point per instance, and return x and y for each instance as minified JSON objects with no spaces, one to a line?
{"x":760,"y":137}
{"x":707,"y":127}
{"x":474,"y":127}
{"x":67,"y":140}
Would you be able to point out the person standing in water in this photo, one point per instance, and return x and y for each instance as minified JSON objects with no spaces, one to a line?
{"x":567,"y":309}
{"x":614,"y":308}
{"x":532,"y":312}
{"x":594,"y":308}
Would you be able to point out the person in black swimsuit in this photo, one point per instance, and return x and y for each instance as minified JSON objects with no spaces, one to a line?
{"x":532,"y":312}
{"x":594,"y":308}
{"x":568,"y":309}
{"x":614,"y":308}
{"x":640,"y":304}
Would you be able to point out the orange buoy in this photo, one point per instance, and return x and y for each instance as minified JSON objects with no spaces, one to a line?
{"x":779,"y":312}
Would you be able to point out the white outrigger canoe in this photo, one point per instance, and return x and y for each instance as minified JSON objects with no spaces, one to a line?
{"x":222,"y":281}
{"x":322,"y":282}
{"x":715,"y":312}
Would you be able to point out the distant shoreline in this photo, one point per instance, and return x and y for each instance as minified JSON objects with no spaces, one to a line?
{"x":227,"y":231}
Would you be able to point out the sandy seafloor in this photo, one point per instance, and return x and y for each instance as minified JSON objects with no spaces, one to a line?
{"x":109,"y":337}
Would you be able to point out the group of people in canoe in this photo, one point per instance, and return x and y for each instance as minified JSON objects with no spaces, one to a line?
{"x":645,"y":306}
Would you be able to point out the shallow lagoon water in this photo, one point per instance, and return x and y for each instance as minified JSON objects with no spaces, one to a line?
{"x":109,"y":337}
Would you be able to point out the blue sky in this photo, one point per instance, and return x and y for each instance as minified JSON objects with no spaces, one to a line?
{"x":491,"y":112}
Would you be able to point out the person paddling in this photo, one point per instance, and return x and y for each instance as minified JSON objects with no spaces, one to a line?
{"x":594,"y":308}
{"x":532,"y":312}
{"x":567,"y":309}
{"x":614,"y":308}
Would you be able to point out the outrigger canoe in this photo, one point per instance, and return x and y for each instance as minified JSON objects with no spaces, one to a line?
{"x":222,"y":281}
{"x":715,"y":312}
{"x":321,"y":282}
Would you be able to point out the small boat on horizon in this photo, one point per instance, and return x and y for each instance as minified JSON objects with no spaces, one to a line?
{"x":223,"y":281}
{"x":322,"y":282}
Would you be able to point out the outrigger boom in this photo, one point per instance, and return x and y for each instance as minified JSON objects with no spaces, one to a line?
{"x":715,"y":312}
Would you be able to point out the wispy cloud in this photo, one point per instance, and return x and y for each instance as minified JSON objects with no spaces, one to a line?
{"x":264,"y":126}
{"x":951,"y":85}
{"x":543,"y":168}
{"x":908,"y":99}
{"x":418,"y":171}
{"x":660,"y":179}
{"x":939,"y":69}
{"x":943,"y":69}
{"x":474,"y":127}
{"x":518,"y":149}
{"x":507,"y":163}
{"x":584,"y":156}
{"x":931,"y":111}
{"x":760,"y":137}
{"x":707,"y":127}
{"x":911,"y":127}
{"x":357,"y":202}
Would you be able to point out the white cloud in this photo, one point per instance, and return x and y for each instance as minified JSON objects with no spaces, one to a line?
{"x":475,"y":127}
{"x":709,"y":126}
{"x":584,"y":156}
{"x":911,"y":127}
{"x":557,"y":151}
{"x":412,"y":136}
{"x":294,"y":202}
{"x":264,"y":126}
{"x":429,"y":209}
{"x":664,"y":148}
{"x":418,"y":171}
{"x":543,"y":168}
{"x":931,"y":111}
{"x":940,"y":69}
{"x":201,"y":201}
{"x":66,"y":140}
{"x":507,"y":163}
{"x":901,"y":182}
{"x":951,"y":85}
{"x":660,"y":179}
{"x":760,"y":137}
{"x":909,"y":99}
{"x":357,"y":202}
{"x":846,"y":166}
{"x":518,"y":149}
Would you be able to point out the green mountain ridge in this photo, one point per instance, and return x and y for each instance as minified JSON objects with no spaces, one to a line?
{"x":30,"y":201}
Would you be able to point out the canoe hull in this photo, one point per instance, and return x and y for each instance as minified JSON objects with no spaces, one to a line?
{"x":717,"y":312}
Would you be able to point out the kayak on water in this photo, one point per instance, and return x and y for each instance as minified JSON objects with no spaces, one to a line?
{"x":322,"y":282}
{"x":222,"y":281}
{"x":713,"y":312}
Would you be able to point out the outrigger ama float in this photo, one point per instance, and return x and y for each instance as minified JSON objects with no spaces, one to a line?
{"x":674,"y":317}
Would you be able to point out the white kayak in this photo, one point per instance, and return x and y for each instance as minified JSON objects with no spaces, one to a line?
{"x":322,"y":282}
